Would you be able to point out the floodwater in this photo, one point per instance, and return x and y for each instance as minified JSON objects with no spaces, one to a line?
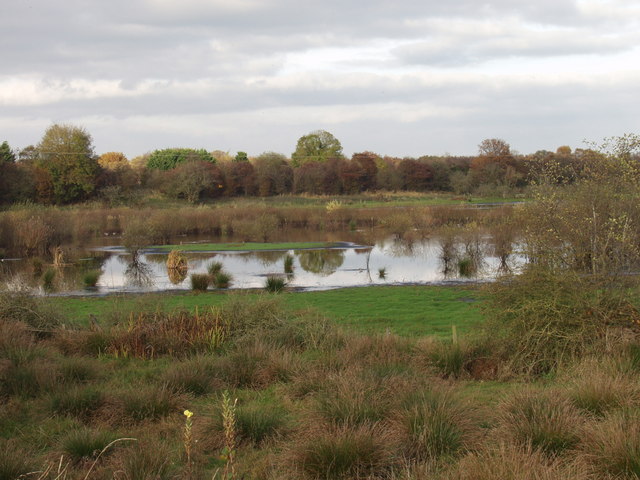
{"x":390,"y":261}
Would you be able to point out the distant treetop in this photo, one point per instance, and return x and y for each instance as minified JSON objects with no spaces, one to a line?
{"x":169,"y":158}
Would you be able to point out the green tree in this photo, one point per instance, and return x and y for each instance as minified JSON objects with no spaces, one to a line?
{"x":6,"y":154}
{"x":68,"y":163}
{"x":169,"y":158}
{"x":318,"y":146}
{"x":241,"y":157}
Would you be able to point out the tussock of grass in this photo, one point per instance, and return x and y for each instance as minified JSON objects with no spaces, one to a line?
{"x":612,"y":445}
{"x":344,"y":453}
{"x":85,"y":443}
{"x":434,"y":423}
{"x":147,"y":403}
{"x":514,"y":462}
{"x":195,"y":376}
{"x":543,"y":419}
{"x":79,"y":402}
{"x":199,"y":282}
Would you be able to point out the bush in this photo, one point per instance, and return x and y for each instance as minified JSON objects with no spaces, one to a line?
{"x":540,"y":319}
{"x":199,"y":282}
{"x":90,"y":279}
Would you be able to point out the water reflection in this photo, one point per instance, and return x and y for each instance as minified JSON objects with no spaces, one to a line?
{"x":447,"y":258}
{"x":138,"y":273}
{"x":321,"y":262}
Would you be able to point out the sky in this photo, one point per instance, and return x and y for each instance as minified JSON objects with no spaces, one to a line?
{"x":401,"y":78}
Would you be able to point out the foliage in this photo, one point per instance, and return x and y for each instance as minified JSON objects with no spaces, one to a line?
{"x":170,"y":158}
{"x":6,"y":154}
{"x":68,"y":164}
{"x":318,"y":146}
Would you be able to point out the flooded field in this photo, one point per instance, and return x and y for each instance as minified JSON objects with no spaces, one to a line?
{"x":387,"y":261}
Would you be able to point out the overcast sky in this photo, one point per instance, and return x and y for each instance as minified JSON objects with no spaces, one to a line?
{"x":402,"y":78}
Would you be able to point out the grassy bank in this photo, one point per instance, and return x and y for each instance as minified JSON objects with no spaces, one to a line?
{"x":272,"y":391}
{"x":408,"y":311}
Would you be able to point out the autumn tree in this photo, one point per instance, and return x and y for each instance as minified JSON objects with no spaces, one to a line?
{"x":318,"y":146}
{"x":274,"y":175}
{"x":67,"y":164}
{"x":415,"y":175}
{"x":193,"y":180}
{"x":240,"y":178}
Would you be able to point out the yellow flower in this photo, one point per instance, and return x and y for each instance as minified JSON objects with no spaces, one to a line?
{"x":188,"y":413}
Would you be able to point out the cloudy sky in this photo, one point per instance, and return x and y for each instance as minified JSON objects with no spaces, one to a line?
{"x":408,"y":77}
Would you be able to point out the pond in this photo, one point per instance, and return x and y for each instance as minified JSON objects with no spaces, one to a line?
{"x":390,"y":261}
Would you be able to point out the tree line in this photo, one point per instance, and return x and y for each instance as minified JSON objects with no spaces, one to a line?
{"x":63,"y":168}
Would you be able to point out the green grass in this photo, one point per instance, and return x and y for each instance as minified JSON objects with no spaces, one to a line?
{"x":404,"y":310}
{"x":249,"y":246}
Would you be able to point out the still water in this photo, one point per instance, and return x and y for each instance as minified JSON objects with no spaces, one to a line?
{"x":389,"y":262}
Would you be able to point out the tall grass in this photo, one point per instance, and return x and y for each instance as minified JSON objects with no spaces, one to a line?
{"x":543,"y":419}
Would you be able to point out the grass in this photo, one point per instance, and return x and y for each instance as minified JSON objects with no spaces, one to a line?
{"x":274,"y":284}
{"x":405,"y":310}
{"x":248,"y":246}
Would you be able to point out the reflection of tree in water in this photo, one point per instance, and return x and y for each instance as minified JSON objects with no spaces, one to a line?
{"x":269,"y":257}
{"x":138,"y":273}
{"x":322,"y":262}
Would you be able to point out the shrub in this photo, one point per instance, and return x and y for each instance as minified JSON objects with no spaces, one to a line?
{"x":274,"y":284}
{"x":48,"y":277}
{"x":542,"y":419}
{"x":176,"y":260}
{"x":90,"y":279}
{"x":22,"y":307}
{"x":540,"y":318}
{"x":199,"y":282}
